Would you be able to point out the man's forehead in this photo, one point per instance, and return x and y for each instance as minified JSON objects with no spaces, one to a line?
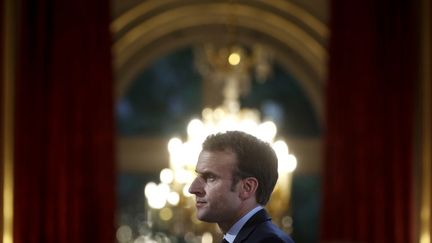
{"x":208,"y":160}
{"x":221,"y":152}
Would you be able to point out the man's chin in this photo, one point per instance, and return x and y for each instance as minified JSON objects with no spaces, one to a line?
{"x":205,"y":218}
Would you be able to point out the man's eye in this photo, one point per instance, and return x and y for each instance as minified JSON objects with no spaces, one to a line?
{"x":210,"y":178}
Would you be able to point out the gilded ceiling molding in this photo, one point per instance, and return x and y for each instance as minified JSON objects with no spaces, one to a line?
{"x":247,"y":17}
{"x":301,"y":14}
{"x":134,"y":13}
{"x":286,"y":7}
{"x":154,"y":28}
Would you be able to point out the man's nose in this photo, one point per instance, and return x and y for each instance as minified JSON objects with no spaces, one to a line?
{"x":195,"y":187}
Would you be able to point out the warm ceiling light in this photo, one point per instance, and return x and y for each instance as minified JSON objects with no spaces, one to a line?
{"x":234,"y":59}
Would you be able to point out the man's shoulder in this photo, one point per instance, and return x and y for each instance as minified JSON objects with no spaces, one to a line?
{"x":260,"y":229}
{"x":268,"y":232}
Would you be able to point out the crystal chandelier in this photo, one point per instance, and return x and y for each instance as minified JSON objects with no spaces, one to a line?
{"x":170,"y":205}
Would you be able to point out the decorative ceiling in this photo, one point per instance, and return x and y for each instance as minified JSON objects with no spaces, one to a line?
{"x":296,"y":32}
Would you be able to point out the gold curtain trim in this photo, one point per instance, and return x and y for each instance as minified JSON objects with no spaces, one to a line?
{"x":426,"y":130}
{"x":8,"y":106}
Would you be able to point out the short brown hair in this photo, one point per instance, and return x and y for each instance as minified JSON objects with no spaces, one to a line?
{"x":255,"y":158}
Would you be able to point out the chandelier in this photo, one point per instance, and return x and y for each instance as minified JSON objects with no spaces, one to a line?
{"x":170,"y":206}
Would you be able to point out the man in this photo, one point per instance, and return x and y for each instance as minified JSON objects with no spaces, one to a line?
{"x":236,"y":174}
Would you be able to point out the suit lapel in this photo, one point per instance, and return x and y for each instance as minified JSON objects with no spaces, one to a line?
{"x":260,"y":217}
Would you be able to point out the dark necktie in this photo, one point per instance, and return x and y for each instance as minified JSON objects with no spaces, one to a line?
{"x":224,"y":241}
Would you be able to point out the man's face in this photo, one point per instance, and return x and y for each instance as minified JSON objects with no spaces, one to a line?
{"x":217,"y":200}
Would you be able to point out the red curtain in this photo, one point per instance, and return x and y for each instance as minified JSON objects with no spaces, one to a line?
{"x":64,"y":153}
{"x":367,"y":188}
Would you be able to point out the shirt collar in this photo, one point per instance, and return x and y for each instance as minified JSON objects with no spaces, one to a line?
{"x":235,"y":229}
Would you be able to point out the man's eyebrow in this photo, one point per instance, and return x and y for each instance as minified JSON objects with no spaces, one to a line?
{"x":206,"y":173}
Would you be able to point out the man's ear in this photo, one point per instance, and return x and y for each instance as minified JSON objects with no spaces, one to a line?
{"x":248,"y":187}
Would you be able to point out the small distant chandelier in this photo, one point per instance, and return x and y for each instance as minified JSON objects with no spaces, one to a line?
{"x":171,"y":205}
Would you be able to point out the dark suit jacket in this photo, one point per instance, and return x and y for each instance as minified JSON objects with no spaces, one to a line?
{"x":260,"y":229}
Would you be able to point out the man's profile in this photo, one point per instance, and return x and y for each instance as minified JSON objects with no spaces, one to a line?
{"x":236,"y":174}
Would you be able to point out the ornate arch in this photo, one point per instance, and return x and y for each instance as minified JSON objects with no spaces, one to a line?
{"x":155,"y":28}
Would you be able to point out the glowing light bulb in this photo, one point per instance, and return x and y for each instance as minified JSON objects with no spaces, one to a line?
{"x":234,"y":59}
{"x":207,"y":238}
{"x":174,"y":145}
{"x":195,"y":128}
{"x":156,"y":195}
{"x":292,"y":163}
{"x":150,"y":189}
{"x":166,"y":176}
{"x":173,"y":198}
{"x":166,"y":214}
{"x":267,"y":131}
